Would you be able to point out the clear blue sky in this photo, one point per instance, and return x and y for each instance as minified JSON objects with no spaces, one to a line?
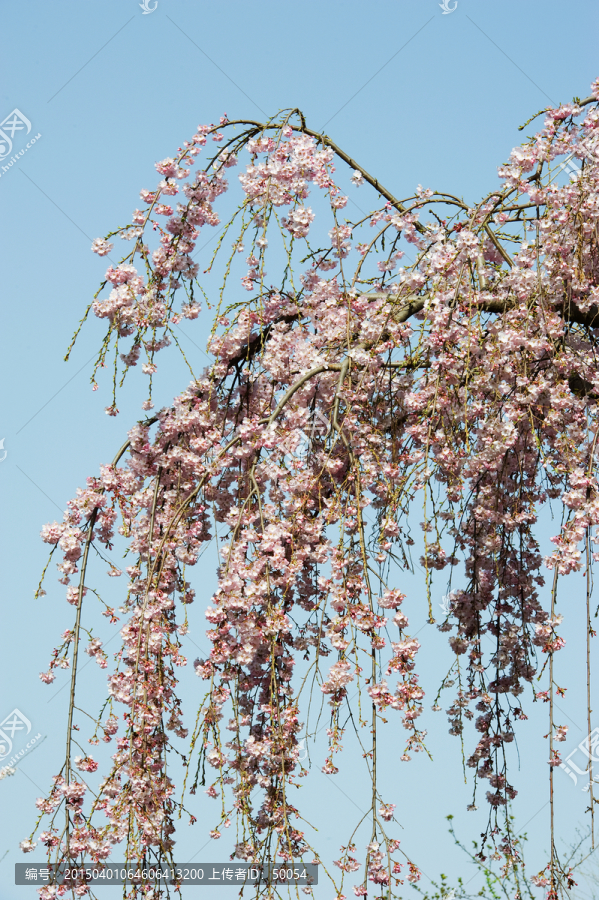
{"x":416,"y":96}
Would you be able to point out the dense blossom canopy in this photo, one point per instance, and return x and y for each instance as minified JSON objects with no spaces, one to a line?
{"x":432,"y":355}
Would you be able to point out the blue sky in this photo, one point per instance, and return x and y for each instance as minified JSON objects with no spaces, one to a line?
{"x":417,"y":96}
